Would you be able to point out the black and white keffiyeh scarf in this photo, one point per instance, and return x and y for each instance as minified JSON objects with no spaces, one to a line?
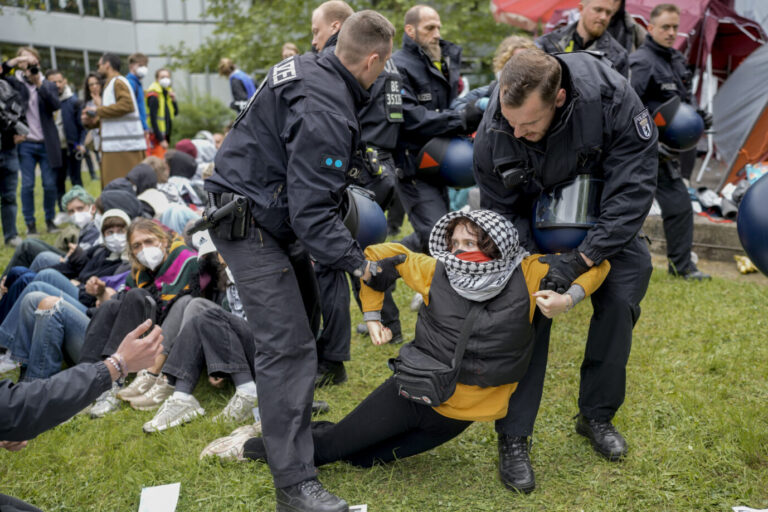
{"x":479,"y":281}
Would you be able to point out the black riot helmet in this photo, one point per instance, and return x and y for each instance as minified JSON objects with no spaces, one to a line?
{"x":680,"y":126}
{"x":363,"y":217}
{"x":565,"y":212}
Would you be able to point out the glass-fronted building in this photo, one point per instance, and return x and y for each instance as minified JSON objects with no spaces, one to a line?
{"x":71,"y":35}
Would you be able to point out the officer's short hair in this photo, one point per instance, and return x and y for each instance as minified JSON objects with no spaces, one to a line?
{"x":335,"y":10}
{"x":662,"y":8}
{"x":113,"y":60}
{"x":363,"y":33}
{"x":528,"y":71}
{"x":138,"y":58}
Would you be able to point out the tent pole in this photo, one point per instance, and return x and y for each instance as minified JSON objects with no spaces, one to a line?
{"x":708,"y":107}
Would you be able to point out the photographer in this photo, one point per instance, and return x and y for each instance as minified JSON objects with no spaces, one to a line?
{"x":41,"y":146}
{"x":12,"y":132}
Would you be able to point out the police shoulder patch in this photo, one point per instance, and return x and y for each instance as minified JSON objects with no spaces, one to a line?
{"x":285,"y":71}
{"x":337,"y":163}
{"x":643,"y":125}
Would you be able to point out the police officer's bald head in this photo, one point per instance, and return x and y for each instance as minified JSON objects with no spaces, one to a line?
{"x":327,"y":20}
{"x":365,"y":45}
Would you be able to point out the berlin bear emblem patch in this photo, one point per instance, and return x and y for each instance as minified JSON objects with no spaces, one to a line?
{"x":643,"y":125}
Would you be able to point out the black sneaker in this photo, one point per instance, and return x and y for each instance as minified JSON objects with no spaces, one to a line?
{"x":31,"y":229}
{"x":254,"y":449}
{"x":310,"y":496}
{"x":605,"y":439}
{"x":330,"y":373}
{"x":515,"y":467}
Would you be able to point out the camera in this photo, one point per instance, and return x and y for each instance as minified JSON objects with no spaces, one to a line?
{"x":11,"y":110}
{"x":514,"y":174}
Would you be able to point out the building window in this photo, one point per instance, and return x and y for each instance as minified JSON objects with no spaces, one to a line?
{"x":91,"y":7}
{"x":69,"y":6}
{"x":29,"y":4}
{"x":120,"y":9}
{"x":71,"y":63}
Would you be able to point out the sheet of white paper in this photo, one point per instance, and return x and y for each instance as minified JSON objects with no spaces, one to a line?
{"x":358,"y":508}
{"x":162,"y":498}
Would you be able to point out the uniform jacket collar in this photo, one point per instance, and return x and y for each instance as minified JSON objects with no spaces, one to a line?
{"x":666,"y":53}
{"x":451,"y":53}
{"x":359,"y":95}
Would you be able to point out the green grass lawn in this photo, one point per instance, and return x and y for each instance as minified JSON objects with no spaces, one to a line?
{"x":695,"y":417}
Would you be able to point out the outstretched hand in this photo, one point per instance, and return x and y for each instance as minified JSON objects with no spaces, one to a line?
{"x":138,"y":352}
{"x":379,"y":334}
{"x":383,"y":273}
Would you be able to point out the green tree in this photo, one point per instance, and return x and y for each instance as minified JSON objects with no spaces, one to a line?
{"x":252,"y":35}
{"x":201,"y":112}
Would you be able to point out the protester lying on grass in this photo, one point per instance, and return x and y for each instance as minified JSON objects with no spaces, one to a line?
{"x":476,"y":264}
{"x":30,"y":408}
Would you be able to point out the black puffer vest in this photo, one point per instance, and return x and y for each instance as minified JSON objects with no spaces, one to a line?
{"x":500,"y":346}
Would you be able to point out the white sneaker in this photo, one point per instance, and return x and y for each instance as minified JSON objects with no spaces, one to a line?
{"x":232,"y":446}
{"x":106,"y":403}
{"x":239,"y":408}
{"x":140,"y":385}
{"x":174,"y":412}
{"x":416,"y":302}
{"x":152,"y":399}
{"x":6,"y":363}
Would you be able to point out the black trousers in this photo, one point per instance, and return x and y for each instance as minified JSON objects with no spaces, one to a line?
{"x":111,"y":322}
{"x":677,"y":217}
{"x":285,"y":363}
{"x":425,"y":203}
{"x":10,"y":504}
{"x":215,"y":339}
{"x":24,"y":254}
{"x":384,"y":427}
{"x":334,"y":341}
{"x":70,"y":168}
{"x":395,"y":214}
{"x":604,"y":368}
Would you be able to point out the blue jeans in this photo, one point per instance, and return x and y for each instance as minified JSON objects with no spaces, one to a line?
{"x":52,"y":333}
{"x":44,"y":260}
{"x":9,"y":180}
{"x":30,"y":155}
{"x":10,"y":332}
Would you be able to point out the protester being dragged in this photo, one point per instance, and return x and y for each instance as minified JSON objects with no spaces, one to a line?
{"x":117,"y":114}
{"x":474,"y":333}
{"x":162,"y":108}
{"x":71,"y":135}
{"x":29,"y":409}
{"x":50,"y":327}
{"x":37,"y":255}
{"x":41,"y":147}
{"x":164,"y":275}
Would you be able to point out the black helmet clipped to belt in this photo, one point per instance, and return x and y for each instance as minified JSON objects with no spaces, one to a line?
{"x":363,"y":217}
{"x":680,"y":126}
{"x":565,"y":212}
{"x":448,"y":161}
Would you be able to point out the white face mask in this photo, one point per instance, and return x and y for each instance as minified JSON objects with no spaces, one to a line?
{"x":164,"y":82}
{"x":115,"y":242}
{"x":81,"y":219}
{"x":151,"y":257}
{"x":141,"y":71}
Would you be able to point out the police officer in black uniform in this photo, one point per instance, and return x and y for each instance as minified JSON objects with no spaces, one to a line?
{"x":380,"y":121}
{"x":429,"y":68}
{"x":589,"y":33}
{"x":290,"y":153}
{"x":659,"y":73}
{"x":550,"y":119}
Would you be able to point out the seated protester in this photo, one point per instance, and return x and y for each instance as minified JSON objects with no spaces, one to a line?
{"x":138,"y":179}
{"x":220,"y":339}
{"x":155,"y":203}
{"x":37,"y":255}
{"x":182,"y":170}
{"x":120,"y":200}
{"x":28,"y":409}
{"x":103,"y":260}
{"x":11,"y":286}
{"x":477,"y":268}
{"x":177,"y":216}
{"x":163,"y":270}
{"x":508,"y":47}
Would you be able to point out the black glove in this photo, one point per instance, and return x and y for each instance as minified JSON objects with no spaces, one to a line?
{"x":383,"y":272}
{"x":706,"y":117}
{"x":471,"y":117}
{"x":563,"y":270}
